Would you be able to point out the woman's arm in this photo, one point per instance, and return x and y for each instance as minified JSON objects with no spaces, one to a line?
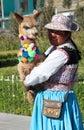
{"x":44,"y":71}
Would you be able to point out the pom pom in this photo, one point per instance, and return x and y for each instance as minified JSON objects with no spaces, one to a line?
{"x":19,"y":53}
{"x":34,"y":48}
{"x":37,"y":51}
{"x":30,"y":59}
{"x":36,"y":57}
{"x":19,"y":58}
{"x":24,"y":60}
{"x":22,"y":38}
{"x":25,"y":46}
{"x":25,"y":54}
{"x":31,"y":45}
{"x":32,"y":53}
{"x":29,"y":49}
{"x":23,"y":49}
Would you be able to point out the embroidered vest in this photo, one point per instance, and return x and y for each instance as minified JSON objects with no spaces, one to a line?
{"x":65,"y":78}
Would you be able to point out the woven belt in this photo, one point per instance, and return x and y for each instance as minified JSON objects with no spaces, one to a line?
{"x":59,"y":87}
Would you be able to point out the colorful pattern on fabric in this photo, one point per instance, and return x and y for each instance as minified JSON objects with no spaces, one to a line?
{"x":64,"y":79}
{"x":28,"y":53}
{"x":62,"y":23}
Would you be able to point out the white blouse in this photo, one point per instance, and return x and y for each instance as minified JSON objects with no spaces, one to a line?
{"x":50,"y":66}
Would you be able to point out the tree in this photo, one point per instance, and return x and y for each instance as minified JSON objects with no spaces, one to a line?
{"x":79,"y":14}
{"x":47,"y":13}
{"x":67,"y":3}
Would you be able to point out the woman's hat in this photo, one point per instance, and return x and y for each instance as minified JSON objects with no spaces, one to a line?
{"x":62,"y":23}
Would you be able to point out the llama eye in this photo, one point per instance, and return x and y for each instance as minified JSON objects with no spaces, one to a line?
{"x":26,"y":27}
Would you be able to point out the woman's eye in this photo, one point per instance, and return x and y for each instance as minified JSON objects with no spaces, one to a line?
{"x":26,"y":27}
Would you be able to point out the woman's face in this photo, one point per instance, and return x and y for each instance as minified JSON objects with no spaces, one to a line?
{"x":57,"y":37}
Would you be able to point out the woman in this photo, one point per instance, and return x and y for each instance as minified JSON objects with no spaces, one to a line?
{"x":59,"y":70}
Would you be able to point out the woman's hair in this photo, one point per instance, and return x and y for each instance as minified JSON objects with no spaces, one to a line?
{"x":78,"y":52}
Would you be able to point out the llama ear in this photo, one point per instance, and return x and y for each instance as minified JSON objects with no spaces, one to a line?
{"x":36,"y":13}
{"x":18,"y":17}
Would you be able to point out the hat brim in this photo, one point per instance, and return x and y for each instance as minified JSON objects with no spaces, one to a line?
{"x":60,"y":27}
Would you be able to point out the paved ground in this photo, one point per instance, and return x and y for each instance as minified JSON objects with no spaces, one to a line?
{"x":14,"y":122}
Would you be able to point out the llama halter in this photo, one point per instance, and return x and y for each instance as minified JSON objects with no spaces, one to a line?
{"x":28,"y":52}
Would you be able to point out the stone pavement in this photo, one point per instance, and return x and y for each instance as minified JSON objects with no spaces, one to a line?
{"x":14,"y":122}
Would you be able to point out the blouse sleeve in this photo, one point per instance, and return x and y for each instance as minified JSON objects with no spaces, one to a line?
{"x":45,"y":70}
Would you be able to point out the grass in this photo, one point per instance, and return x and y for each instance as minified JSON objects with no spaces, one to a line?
{"x":79,"y":41}
{"x":79,"y":89}
{"x":8,"y":71}
{"x":13,"y":99}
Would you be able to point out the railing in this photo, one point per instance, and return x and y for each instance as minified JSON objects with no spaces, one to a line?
{"x":3,"y":20}
{"x":13,"y":98}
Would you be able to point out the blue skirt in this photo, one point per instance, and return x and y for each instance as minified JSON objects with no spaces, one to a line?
{"x":70,"y":118}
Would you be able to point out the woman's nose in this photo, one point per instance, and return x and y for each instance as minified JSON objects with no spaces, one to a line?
{"x":53,"y":34}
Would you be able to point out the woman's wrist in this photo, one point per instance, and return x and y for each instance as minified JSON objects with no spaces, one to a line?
{"x":26,"y":87}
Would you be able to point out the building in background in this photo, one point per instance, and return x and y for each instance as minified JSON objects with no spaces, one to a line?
{"x":10,"y":6}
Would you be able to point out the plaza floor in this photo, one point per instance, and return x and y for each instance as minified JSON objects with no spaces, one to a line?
{"x":14,"y":122}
